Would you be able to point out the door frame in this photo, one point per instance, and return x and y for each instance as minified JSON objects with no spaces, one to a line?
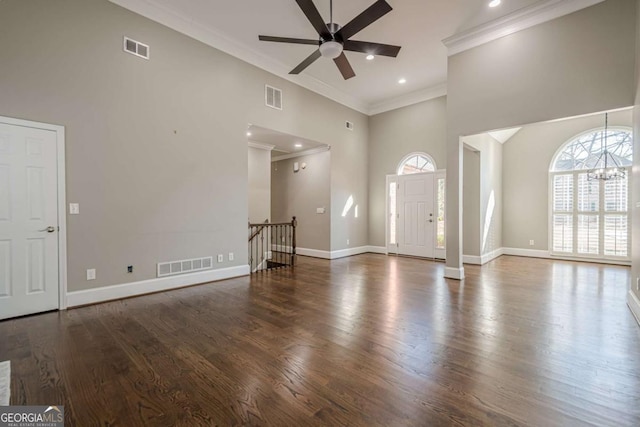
{"x":61,"y":196}
{"x":439,"y":253}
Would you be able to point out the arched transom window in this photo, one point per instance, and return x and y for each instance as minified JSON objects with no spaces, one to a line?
{"x":416,"y":163}
{"x":589,"y":217}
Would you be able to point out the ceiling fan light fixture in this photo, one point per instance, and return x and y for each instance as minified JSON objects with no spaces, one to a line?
{"x":331,"y":49}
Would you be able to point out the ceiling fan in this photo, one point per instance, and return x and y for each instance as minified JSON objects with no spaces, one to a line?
{"x":334,"y":39}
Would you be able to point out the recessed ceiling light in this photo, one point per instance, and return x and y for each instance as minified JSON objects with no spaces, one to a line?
{"x":298,"y":145}
{"x":402,"y":81}
{"x":495,"y":3}
{"x":248,"y":133}
{"x":370,"y":57}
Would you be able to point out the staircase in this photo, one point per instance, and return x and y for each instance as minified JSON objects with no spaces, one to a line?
{"x":272,"y":245}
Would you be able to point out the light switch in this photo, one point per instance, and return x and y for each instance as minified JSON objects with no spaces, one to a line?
{"x":74,"y":208}
{"x":91,"y":274}
{"x":320,"y":210}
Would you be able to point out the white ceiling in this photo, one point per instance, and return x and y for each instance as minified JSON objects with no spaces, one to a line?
{"x":419,"y":26}
{"x":280,"y":143}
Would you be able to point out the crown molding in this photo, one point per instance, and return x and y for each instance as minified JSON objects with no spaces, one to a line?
{"x":169,"y":18}
{"x":261,"y":146}
{"x":519,"y":20}
{"x":301,"y":153}
{"x":408,"y":99}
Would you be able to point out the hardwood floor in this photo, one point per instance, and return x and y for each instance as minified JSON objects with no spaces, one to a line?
{"x":367,"y":340}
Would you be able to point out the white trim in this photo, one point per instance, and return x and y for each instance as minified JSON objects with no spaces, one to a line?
{"x":302,"y":153}
{"x":126,"y":290}
{"x":634,"y":305}
{"x":342,"y":253}
{"x":538,"y":13}
{"x":530,"y":253}
{"x":408,"y":99}
{"x":377,"y":250}
{"x":454,"y":273}
{"x":414,"y":154}
{"x":62,"y":200}
{"x":315,"y":253}
{"x":5,"y":383}
{"x":167,"y":17}
{"x":261,"y":146}
{"x":471,"y":259}
{"x":483,"y":259}
{"x":535,"y":253}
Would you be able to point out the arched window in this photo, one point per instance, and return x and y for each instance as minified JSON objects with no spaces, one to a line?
{"x":589,"y":217}
{"x":416,"y":163}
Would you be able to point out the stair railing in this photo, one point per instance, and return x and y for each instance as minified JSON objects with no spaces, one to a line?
{"x":272,"y":245}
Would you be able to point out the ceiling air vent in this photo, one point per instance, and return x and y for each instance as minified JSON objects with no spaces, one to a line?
{"x":273,"y":97}
{"x":349,"y":125}
{"x":136,"y":48}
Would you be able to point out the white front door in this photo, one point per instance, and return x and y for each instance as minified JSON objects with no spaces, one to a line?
{"x":416,"y":215}
{"x":28,"y":221}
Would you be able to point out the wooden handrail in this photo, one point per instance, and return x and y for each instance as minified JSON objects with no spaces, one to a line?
{"x":262,"y":226}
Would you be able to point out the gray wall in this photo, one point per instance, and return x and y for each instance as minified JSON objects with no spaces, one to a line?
{"x":471,"y":218}
{"x":259,"y":185}
{"x":299,"y":194}
{"x":486,"y":229}
{"x":577,"y":64}
{"x":635,"y":198}
{"x":156,"y":150}
{"x":394,"y":134}
{"x":527,"y":158}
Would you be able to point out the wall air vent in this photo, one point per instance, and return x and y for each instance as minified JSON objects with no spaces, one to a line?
{"x":172,"y":268}
{"x":136,"y":48}
{"x":349,"y":125}
{"x":273,"y":97}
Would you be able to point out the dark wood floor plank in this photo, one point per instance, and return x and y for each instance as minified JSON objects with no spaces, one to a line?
{"x":366,"y":340}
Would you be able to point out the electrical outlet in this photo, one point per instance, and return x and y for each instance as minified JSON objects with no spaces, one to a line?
{"x":220,"y":258}
{"x":347,"y":242}
{"x":91,"y":274}
{"x":231,"y":256}
{"x":531,"y":243}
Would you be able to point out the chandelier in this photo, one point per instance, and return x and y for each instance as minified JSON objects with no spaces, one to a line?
{"x":606,"y":167}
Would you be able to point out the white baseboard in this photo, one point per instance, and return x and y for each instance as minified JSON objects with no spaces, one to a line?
{"x":482,"y":260}
{"x":454,"y":273}
{"x":108,"y":293}
{"x":634,"y":304}
{"x":531,"y":253}
{"x":315,"y":253}
{"x":377,"y":250}
{"x":472,"y":259}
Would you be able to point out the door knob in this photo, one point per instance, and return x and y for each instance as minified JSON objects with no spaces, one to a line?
{"x":49,"y":229}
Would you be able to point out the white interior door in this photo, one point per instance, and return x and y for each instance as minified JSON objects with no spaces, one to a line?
{"x":416,"y":215}
{"x":28,"y":221}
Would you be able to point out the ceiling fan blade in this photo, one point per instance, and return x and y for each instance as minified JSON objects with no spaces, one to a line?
{"x":304,"y":64}
{"x":343,"y":65}
{"x":312,"y":14}
{"x":366,"y":18}
{"x":288,"y":40}
{"x":372,"y":48}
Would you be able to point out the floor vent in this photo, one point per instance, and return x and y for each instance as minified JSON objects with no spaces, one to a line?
{"x":184,"y":266}
{"x":136,"y":48}
{"x":273,"y":97}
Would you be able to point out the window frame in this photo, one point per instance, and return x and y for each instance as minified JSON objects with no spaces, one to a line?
{"x":409,"y":156}
{"x":576,"y":213}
